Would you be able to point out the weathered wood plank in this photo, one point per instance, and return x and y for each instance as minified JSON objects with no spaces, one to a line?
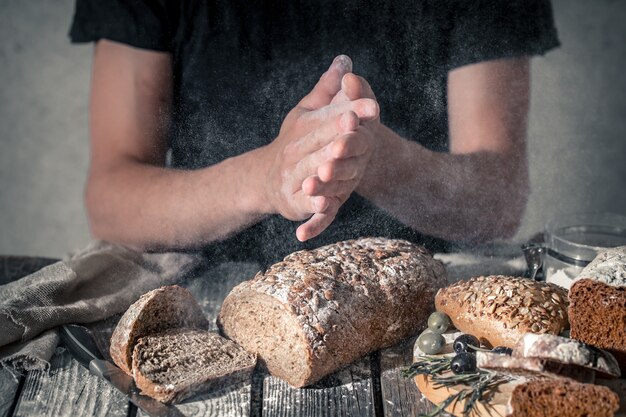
{"x":210,"y":289}
{"x":67,"y":390}
{"x":9,"y":385}
{"x":401,"y":398}
{"x":348,"y":392}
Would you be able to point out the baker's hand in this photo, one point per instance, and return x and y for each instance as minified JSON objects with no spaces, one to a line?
{"x":295,"y":154}
{"x":341,"y":163}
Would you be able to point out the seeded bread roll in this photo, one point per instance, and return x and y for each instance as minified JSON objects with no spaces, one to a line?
{"x":155,"y":311}
{"x":597,"y":315}
{"x":563,"y":398}
{"x":180,"y":363}
{"x":319,"y":310}
{"x":499,"y":310}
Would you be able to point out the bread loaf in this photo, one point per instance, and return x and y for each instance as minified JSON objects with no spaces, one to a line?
{"x":499,"y":310}
{"x":179,"y":363}
{"x":158,"y":310}
{"x":563,"y":398}
{"x":319,"y":310}
{"x":597,"y":315}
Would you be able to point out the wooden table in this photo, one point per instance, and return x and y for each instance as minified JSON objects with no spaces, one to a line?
{"x":372,"y":386}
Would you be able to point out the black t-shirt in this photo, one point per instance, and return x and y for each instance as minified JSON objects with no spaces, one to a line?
{"x":239,"y":67}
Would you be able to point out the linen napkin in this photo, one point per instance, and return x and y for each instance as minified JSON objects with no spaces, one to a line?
{"x":102,"y":280}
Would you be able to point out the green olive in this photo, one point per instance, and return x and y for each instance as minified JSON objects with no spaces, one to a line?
{"x":430,"y":343}
{"x":439,"y":322}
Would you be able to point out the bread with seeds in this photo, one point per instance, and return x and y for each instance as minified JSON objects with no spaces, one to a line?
{"x":318,"y":310}
{"x":499,"y":310}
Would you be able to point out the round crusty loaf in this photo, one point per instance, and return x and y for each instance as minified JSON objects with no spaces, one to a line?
{"x":319,"y":310}
{"x":155,"y":311}
{"x":499,"y":310}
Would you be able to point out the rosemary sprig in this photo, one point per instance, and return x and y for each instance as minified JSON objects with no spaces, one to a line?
{"x":478,"y":383}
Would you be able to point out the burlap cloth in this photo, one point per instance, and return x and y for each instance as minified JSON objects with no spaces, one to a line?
{"x":100,"y":281}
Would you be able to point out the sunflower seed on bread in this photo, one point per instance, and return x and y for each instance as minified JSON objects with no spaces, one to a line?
{"x":499,"y":310}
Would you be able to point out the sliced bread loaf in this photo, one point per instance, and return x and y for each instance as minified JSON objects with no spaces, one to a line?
{"x":598,"y":316}
{"x":563,"y":398}
{"x":156,"y":311}
{"x":179,"y":363}
{"x":319,"y":310}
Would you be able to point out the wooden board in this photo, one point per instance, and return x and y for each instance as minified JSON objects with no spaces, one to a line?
{"x":348,"y":392}
{"x":400,"y":396}
{"x":66,"y":389}
{"x":9,"y":389}
{"x":494,"y":406}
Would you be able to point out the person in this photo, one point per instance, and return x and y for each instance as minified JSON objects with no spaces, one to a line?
{"x":211,"y":126}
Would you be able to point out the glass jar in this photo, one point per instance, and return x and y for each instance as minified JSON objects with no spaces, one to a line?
{"x":573,"y":241}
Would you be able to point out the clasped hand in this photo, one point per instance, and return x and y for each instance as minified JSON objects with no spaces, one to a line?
{"x":322,"y":150}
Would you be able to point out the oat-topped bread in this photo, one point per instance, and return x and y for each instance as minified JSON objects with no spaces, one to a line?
{"x":318,"y":310}
{"x":597,"y":314}
{"x":156,"y":311}
{"x":501,"y":309}
{"x":563,"y":398}
{"x":179,"y":363}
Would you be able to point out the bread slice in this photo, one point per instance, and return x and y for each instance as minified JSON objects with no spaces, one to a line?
{"x":499,"y":310}
{"x":156,"y":311}
{"x":568,"y":352}
{"x":179,"y":363}
{"x":597,"y":314}
{"x":563,"y":398}
{"x":532,"y":368}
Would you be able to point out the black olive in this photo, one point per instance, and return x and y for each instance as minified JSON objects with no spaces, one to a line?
{"x":466,"y":343}
{"x":502,"y":350}
{"x":463,"y":363}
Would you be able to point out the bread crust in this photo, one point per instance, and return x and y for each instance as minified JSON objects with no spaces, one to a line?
{"x":343,"y":301}
{"x":499,"y":310}
{"x":173,"y":304}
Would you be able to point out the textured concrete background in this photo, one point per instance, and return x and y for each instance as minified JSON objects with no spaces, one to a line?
{"x":577,"y":135}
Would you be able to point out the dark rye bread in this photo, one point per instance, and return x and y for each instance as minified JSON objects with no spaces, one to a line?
{"x":319,"y":310}
{"x":180,"y":363}
{"x":597,"y":315}
{"x":156,"y":311}
{"x":563,"y":398}
{"x":499,"y":310}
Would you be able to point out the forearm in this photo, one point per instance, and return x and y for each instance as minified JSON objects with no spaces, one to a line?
{"x":461,"y":197}
{"x":151,"y":207}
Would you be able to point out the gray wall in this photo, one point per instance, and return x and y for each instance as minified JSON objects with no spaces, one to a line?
{"x":577,"y":136}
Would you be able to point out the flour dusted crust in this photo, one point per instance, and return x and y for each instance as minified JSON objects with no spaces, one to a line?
{"x":608,"y":267}
{"x":499,"y":310}
{"x":155,"y":311}
{"x":318,"y":310}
